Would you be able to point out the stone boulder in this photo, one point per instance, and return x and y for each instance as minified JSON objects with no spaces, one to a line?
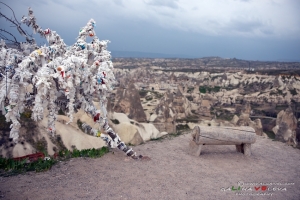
{"x":133,"y":132}
{"x":286,"y":125}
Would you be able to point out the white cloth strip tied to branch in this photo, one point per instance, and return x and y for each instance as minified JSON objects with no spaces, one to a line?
{"x":79,"y":73}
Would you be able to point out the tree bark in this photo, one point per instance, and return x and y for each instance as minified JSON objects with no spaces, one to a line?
{"x":242,"y":137}
{"x":224,"y":135}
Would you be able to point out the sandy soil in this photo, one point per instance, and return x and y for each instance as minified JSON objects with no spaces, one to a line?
{"x":170,"y":174}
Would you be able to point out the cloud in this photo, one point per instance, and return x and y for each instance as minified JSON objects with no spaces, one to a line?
{"x":249,"y":26}
{"x":119,"y":2}
{"x":166,"y":3}
{"x":249,"y":18}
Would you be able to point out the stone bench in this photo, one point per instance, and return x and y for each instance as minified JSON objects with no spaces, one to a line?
{"x":242,"y":137}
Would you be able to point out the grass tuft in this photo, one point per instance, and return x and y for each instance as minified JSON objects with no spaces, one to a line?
{"x":9,"y":167}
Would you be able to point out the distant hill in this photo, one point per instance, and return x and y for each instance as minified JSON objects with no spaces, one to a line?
{"x":137,"y":54}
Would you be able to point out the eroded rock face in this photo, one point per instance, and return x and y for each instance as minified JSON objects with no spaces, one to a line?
{"x":165,"y":114}
{"x":286,"y":125}
{"x":181,"y":105}
{"x":278,"y":82}
{"x":127,"y":101}
{"x":244,"y":120}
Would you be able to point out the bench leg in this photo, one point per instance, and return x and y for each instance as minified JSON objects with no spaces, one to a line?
{"x":195,"y":149}
{"x":239,"y":148}
{"x":198,"y":152}
{"x":247,"y":149}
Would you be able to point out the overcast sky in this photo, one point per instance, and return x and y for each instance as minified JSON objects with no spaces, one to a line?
{"x":244,"y":29}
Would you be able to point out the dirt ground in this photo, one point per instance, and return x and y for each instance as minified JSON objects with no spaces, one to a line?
{"x":170,"y":174}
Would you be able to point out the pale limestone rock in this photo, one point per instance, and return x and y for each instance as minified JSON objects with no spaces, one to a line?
{"x":20,"y":150}
{"x":149,"y":132}
{"x":191,"y":125}
{"x":153,"y":117}
{"x":275,"y":129}
{"x":285,"y":129}
{"x":133,"y":132}
{"x":128,"y":133}
{"x":235,"y":119}
{"x":234,"y":81}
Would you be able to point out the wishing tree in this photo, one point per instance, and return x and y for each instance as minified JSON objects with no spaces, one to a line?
{"x":80,"y":72}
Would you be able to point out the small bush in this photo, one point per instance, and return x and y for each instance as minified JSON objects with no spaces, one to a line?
{"x":115,"y":121}
{"x":293,"y":91}
{"x":27,"y":114}
{"x":190,"y":90}
{"x":157,"y":94}
{"x":190,"y":98}
{"x":149,"y":98}
{"x":61,"y":112}
{"x":180,"y":127}
{"x":143,"y":93}
{"x":202,"y":89}
{"x":270,"y":134}
{"x":79,"y":124}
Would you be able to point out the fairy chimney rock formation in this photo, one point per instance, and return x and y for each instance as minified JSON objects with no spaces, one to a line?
{"x":165,"y":114}
{"x":128,"y":102}
{"x":181,"y":105}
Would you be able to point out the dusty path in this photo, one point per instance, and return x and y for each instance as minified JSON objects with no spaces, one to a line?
{"x":171,"y":174}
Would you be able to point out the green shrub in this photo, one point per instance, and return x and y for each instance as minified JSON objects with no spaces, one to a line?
{"x":190,"y":98}
{"x":202,"y":89}
{"x":180,"y":127}
{"x":143,"y":93}
{"x":157,"y":94}
{"x":149,"y":98}
{"x":115,"y":121}
{"x":216,"y":89}
{"x":190,"y":90}
{"x":27,"y":114}
{"x":270,"y":134}
{"x":61,"y":112}
{"x":293,"y":91}
{"x":12,"y":167}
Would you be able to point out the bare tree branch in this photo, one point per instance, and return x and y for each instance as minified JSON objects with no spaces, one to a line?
{"x":15,"y":41}
{"x":10,"y":34}
{"x":11,"y":11}
{"x":22,"y":32}
{"x":29,"y":38}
